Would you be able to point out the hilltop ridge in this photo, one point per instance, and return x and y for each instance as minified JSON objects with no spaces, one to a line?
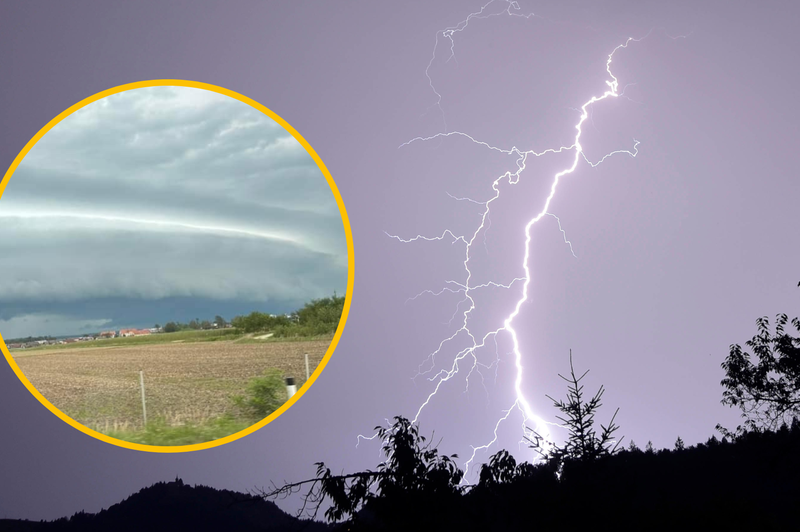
{"x":170,"y":506}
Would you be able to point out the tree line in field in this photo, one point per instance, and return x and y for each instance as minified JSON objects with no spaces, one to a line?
{"x":318,"y":317}
{"x":747,"y":480}
{"x":194,"y":325}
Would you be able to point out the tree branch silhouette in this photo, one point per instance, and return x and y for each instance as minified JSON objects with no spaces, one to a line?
{"x":767,"y":391}
{"x":412,"y":471}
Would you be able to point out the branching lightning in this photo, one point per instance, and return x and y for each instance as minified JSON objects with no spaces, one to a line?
{"x":465,"y":361}
{"x":563,"y":233}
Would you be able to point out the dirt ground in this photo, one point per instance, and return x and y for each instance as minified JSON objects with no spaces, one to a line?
{"x":99,"y":387}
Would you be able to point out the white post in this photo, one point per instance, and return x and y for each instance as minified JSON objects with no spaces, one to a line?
{"x":307,"y":372}
{"x":291,"y":389}
{"x":144,"y":405}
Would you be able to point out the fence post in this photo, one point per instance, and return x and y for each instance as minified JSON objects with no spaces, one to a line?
{"x":291,"y":389}
{"x":144,"y":404}
{"x":307,"y":372}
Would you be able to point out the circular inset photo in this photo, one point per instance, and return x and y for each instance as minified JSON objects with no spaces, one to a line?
{"x":176,"y":266}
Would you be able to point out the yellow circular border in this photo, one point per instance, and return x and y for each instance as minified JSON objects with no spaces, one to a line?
{"x":350,"y":266}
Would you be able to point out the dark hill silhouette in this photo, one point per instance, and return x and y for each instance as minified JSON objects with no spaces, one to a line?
{"x":172,"y":506}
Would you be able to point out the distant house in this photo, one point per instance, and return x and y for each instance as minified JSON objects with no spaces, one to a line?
{"x":133,"y":332}
{"x":107,"y":334}
{"x":15,"y":346}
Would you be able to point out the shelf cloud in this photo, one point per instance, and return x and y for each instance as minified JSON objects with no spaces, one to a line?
{"x":165,"y":192}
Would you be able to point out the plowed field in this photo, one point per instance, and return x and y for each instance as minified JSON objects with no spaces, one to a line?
{"x":184,"y":382}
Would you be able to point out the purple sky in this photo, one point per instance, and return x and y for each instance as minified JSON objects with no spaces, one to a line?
{"x":678,"y":250}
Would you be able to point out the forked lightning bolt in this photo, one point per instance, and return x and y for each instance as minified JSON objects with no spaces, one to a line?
{"x":466,"y":360}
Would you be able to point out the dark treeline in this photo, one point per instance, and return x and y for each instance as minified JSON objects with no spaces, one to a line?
{"x":29,"y":339}
{"x":194,"y":325}
{"x":750,"y":483}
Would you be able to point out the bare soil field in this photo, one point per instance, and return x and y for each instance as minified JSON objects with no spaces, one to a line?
{"x":191,"y":382}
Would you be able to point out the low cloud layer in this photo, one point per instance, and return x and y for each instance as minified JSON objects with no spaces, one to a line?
{"x":168,"y":192}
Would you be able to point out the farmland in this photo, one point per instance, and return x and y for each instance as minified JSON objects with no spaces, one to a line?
{"x":187,"y":382}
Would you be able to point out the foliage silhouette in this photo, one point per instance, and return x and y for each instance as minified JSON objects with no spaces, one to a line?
{"x":767,"y":392}
{"x":412,"y":475}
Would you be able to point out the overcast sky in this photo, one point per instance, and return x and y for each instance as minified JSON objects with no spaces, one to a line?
{"x":173,"y":203}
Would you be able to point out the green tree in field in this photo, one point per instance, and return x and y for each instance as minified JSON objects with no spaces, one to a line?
{"x":220,"y":321}
{"x":253,"y":322}
{"x":326,"y":311}
{"x":171,"y":327}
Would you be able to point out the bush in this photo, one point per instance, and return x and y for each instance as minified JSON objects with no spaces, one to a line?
{"x":304,"y":331}
{"x":264,"y":395}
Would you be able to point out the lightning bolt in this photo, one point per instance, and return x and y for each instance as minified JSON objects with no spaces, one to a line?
{"x":466,"y":360}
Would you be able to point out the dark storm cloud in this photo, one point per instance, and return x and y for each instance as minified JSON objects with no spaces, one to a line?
{"x":167,"y":192}
{"x":106,"y":260}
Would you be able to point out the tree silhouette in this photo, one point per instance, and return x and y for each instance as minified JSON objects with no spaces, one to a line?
{"x":583,"y":444}
{"x":412,"y":476}
{"x":767,"y":392}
